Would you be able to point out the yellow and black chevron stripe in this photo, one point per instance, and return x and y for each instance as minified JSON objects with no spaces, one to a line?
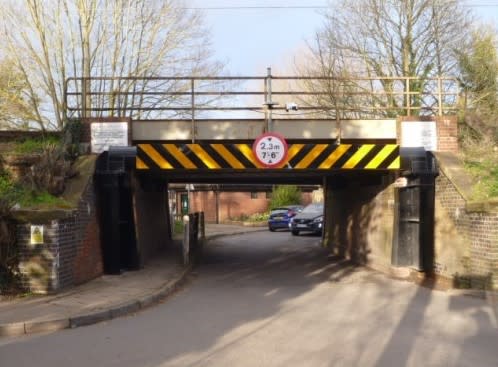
{"x":239,"y":156}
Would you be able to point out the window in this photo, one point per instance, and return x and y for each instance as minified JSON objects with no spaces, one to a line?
{"x":268,"y":194}
{"x":254,"y":195}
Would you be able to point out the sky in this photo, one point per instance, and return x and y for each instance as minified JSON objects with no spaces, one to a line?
{"x":250,"y":40}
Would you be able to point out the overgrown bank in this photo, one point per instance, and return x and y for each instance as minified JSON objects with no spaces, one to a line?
{"x":33,"y":174}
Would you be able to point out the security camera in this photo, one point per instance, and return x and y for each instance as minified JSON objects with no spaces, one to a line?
{"x":291,"y":106}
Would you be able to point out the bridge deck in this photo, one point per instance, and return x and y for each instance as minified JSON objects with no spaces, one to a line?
{"x":212,"y":161}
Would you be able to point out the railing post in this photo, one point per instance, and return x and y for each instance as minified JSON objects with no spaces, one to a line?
{"x":440,"y":96}
{"x":186,"y":240}
{"x":268,"y":102}
{"x":408,"y":97}
{"x":192,"y":101}
{"x":64,"y":100}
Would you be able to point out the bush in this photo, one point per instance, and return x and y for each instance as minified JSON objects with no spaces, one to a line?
{"x":9,"y":191}
{"x":259,"y":217}
{"x":255,"y":217}
{"x":178,"y":227}
{"x":8,"y":249}
{"x":6,"y":185}
{"x":73,"y":131}
{"x":285,"y":195}
{"x":49,"y":173}
{"x":9,"y":272}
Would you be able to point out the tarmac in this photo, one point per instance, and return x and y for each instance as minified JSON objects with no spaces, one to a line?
{"x":104,"y":298}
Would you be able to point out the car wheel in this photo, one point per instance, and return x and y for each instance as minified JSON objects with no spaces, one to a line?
{"x":271,"y":229}
{"x":295,"y":232}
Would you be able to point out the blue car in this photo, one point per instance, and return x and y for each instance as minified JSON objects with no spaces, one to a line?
{"x":280,"y":217}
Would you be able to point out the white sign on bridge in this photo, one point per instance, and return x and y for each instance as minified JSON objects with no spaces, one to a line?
{"x":106,"y":134}
{"x":419,"y":134}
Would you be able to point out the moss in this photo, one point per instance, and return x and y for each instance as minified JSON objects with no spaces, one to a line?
{"x":485,"y":175}
{"x":41,"y":215}
{"x":483,"y":206}
{"x":475,"y":179}
{"x":34,"y":145}
{"x":42,"y":200}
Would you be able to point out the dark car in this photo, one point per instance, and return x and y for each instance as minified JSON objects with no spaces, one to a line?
{"x":280,"y":217}
{"x":309,"y":220}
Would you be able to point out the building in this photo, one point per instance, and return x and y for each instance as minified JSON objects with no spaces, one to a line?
{"x":222,"y":203}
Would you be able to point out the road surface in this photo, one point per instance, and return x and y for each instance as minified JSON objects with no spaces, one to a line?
{"x":273,"y":299}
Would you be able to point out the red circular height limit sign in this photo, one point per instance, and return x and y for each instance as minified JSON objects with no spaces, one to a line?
{"x":270,"y":149}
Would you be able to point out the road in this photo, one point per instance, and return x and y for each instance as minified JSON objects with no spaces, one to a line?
{"x":273,"y":299}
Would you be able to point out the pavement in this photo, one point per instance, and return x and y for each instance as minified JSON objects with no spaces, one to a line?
{"x":103,"y":298}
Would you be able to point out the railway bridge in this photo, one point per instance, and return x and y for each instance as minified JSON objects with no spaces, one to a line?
{"x":371,"y":143}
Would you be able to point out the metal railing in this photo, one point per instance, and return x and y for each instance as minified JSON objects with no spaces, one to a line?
{"x":198,"y":97}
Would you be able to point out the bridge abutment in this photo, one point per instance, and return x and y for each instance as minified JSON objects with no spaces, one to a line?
{"x":152,"y":221}
{"x":466,"y":232}
{"x":359,"y":221}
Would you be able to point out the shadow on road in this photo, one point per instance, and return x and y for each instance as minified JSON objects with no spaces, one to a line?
{"x":256,"y":289}
{"x":398,"y":350}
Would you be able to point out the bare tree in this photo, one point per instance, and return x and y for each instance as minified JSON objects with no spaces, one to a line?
{"x":390,"y":38}
{"x":51,"y":40}
{"x":330,"y":78}
{"x":15,"y":109}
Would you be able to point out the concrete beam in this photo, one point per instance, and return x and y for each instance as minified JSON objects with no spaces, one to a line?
{"x":224,"y":129}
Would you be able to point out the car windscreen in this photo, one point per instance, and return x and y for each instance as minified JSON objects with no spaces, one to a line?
{"x":313,"y":208}
{"x":279,"y":211}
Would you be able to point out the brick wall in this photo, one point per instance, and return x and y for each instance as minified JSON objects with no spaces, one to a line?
{"x":88,"y":260}
{"x":466,"y":238}
{"x":37,"y":263}
{"x":231,"y":205}
{"x":235,"y":204}
{"x":205,"y":201}
{"x":70,"y":253}
{"x":447,"y":132}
